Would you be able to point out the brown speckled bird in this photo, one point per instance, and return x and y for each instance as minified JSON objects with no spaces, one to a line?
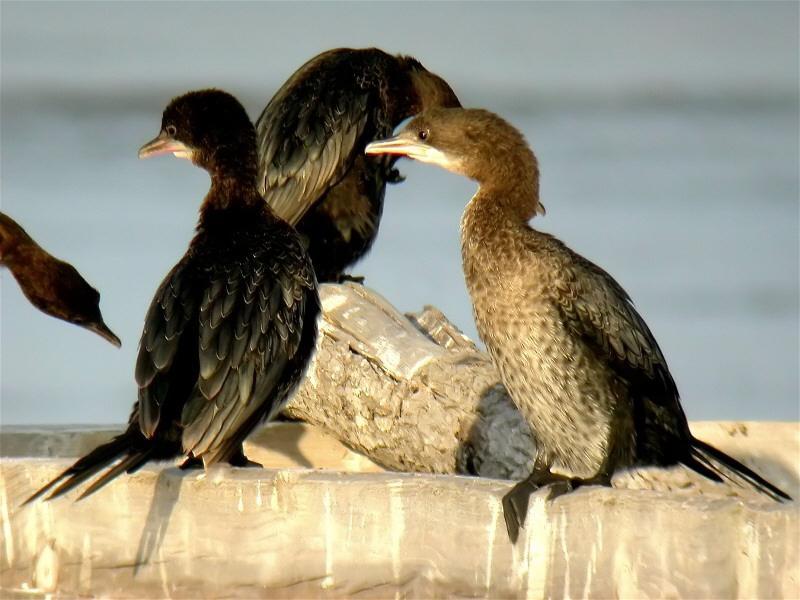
{"x":50,"y":284}
{"x":577,"y":359}
{"x":231,"y":328}
{"x":311,"y":138}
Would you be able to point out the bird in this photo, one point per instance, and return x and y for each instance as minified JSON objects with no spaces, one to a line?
{"x":51,"y":285}
{"x":231,"y":328}
{"x":311,"y":137}
{"x":576,"y":357}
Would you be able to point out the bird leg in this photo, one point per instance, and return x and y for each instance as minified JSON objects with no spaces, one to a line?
{"x":515,"y":502}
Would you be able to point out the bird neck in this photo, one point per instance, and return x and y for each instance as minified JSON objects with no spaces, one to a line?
{"x":18,"y":252}
{"x":496,"y":213}
{"x":230,"y":194}
{"x":231,"y":165}
{"x":512,"y":193}
{"x":428,"y":90}
{"x":508,"y":173}
{"x":13,"y":239}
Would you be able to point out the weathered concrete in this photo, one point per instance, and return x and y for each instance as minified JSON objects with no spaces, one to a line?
{"x":295,"y":532}
{"x":409,"y":395}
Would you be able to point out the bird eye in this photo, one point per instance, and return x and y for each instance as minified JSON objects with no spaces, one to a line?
{"x":423,"y":134}
{"x":171,"y":130}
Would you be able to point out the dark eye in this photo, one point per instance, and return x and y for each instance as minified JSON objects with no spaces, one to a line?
{"x":423,"y":134}
{"x":171,"y":130}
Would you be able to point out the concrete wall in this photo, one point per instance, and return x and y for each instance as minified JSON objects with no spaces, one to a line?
{"x":295,"y":531}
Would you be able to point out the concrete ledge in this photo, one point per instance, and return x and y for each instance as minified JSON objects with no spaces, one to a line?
{"x":299,"y":532}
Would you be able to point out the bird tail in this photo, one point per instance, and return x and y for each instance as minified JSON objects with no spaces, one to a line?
{"x":716,"y":465}
{"x":122,"y":448}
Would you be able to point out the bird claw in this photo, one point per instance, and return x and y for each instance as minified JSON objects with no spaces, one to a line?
{"x":515,"y":502}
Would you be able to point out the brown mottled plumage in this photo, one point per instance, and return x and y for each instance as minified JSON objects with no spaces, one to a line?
{"x":578,"y":360}
{"x":311,"y":138}
{"x":51,"y":285}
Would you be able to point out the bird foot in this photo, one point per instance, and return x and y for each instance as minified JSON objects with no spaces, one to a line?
{"x":344,"y":277}
{"x":248,"y":464}
{"x":191,"y":462}
{"x":515,"y":502}
{"x":237,"y":460}
{"x":394,"y":176}
{"x":240,"y":460}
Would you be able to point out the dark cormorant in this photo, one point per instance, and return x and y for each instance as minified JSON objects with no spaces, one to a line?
{"x":577,"y":359}
{"x":232,"y":327}
{"x":51,"y":285}
{"x":311,"y":138}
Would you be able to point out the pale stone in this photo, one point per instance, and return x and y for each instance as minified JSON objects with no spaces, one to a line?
{"x":408,"y":395}
{"x":298,"y":532}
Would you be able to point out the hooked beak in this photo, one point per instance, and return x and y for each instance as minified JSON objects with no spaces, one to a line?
{"x":412,"y":148}
{"x":104,"y":332}
{"x":164,"y":144}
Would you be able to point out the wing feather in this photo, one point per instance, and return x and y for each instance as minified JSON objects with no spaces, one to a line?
{"x":167,"y":318}
{"x":308,"y":136}
{"x":256,"y":323}
{"x":598,"y":309}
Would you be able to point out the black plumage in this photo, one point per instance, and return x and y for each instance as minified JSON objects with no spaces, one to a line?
{"x":311,"y":138}
{"x":231,"y":328}
{"x":51,"y":285}
{"x":576,"y":357}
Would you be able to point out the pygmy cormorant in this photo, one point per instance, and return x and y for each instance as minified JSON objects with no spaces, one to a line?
{"x":577,"y":359}
{"x":51,"y":285}
{"x":311,"y":138}
{"x":232,"y":327}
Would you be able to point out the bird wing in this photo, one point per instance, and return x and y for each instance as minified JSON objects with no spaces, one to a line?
{"x":598,"y":309}
{"x":307,"y":138}
{"x":171,"y":312}
{"x":251,"y":324}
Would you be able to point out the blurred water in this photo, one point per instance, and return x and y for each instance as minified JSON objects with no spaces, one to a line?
{"x":667,"y":136}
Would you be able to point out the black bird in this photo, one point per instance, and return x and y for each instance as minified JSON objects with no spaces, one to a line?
{"x":577,"y":359}
{"x":311,"y":138}
{"x":50,"y":284}
{"x":231,"y":328}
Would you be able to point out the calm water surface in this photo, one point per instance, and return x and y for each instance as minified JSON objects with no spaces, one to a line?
{"x":673,"y":166}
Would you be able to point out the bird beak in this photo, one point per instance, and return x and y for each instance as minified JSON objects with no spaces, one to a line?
{"x":412,"y":148}
{"x":396,"y":145}
{"x":164,"y":144}
{"x":104,"y":332}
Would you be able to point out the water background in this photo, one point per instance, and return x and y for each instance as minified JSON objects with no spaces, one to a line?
{"x":667,"y":135}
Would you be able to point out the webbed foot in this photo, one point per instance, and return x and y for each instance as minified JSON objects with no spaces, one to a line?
{"x":515,"y":502}
{"x":191,"y":462}
{"x":394,"y":176}
{"x":240,"y":460}
{"x":344,"y":277}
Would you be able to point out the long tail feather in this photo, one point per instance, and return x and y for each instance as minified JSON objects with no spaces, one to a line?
{"x":129,"y":464}
{"x":86,"y":467}
{"x":707,"y":457}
